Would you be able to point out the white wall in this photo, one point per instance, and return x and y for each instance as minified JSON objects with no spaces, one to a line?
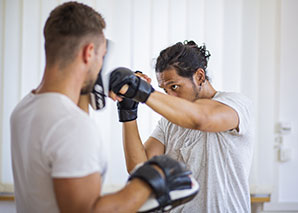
{"x":288,"y":104}
{"x":285,"y":173}
{"x":245,"y":40}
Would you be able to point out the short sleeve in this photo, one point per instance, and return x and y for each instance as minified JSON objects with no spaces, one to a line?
{"x":74,"y":149}
{"x":159,"y":131}
{"x":241,"y":104}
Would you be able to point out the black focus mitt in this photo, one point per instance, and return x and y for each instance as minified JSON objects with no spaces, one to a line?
{"x":176,"y":188}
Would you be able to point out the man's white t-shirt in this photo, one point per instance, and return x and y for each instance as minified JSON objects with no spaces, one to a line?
{"x":51,"y":138}
{"x":220,"y":161}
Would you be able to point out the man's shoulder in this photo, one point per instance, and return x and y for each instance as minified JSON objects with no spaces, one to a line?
{"x":229,"y":94}
{"x":52,"y":111}
{"x":20,"y":105}
{"x":232,"y":98}
{"x":60,"y":109}
{"x":72,"y":130}
{"x":77,"y":121}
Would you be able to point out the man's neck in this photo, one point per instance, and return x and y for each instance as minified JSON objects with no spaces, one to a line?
{"x":66,"y":81}
{"x":207,"y":90}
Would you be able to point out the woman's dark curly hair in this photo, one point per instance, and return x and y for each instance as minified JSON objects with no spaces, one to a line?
{"x":185,"y":58}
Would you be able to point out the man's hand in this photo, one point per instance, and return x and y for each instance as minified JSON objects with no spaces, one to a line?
{"x":138,"y":89}
{"x":128,"y":108}
{"x":143,"y":76}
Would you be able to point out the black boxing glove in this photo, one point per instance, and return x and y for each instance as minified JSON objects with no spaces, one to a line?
{"x":127,"y":110}
{"x":138,"y":89}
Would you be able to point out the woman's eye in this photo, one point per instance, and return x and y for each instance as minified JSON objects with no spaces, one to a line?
{"x":174,"y":87}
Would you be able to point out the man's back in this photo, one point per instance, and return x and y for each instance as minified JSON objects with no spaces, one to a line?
{"x":42,"y":145}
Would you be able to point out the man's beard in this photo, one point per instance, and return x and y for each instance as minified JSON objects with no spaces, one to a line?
{"x":88,"y":88}
{"x":195,"y":91}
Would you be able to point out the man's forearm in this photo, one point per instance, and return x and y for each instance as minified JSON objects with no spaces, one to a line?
{"x":129,"y":199}
{"x":177,"y":110}
{"x":134,"y":150}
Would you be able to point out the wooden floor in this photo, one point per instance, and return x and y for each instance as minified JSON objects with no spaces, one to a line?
{"x":255,"y":198}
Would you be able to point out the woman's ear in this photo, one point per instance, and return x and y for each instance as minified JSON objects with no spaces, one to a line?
{"x":199,"y":76}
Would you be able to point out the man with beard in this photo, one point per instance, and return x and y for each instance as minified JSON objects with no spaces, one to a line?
{"x":210,"y":131}
{"x":58,"y":159}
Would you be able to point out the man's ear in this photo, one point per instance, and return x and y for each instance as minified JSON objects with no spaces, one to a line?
{"x":88,"y":52}
{"x":199,"y":76}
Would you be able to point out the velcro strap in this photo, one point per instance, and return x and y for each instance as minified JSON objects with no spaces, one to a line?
{"x":152,"y":177}
{"x":127,"y":115}
{"x":143,"y":92}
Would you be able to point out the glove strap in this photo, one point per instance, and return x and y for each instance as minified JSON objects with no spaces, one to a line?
{"x":143,"y":92}
{"x":127,"y":115}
